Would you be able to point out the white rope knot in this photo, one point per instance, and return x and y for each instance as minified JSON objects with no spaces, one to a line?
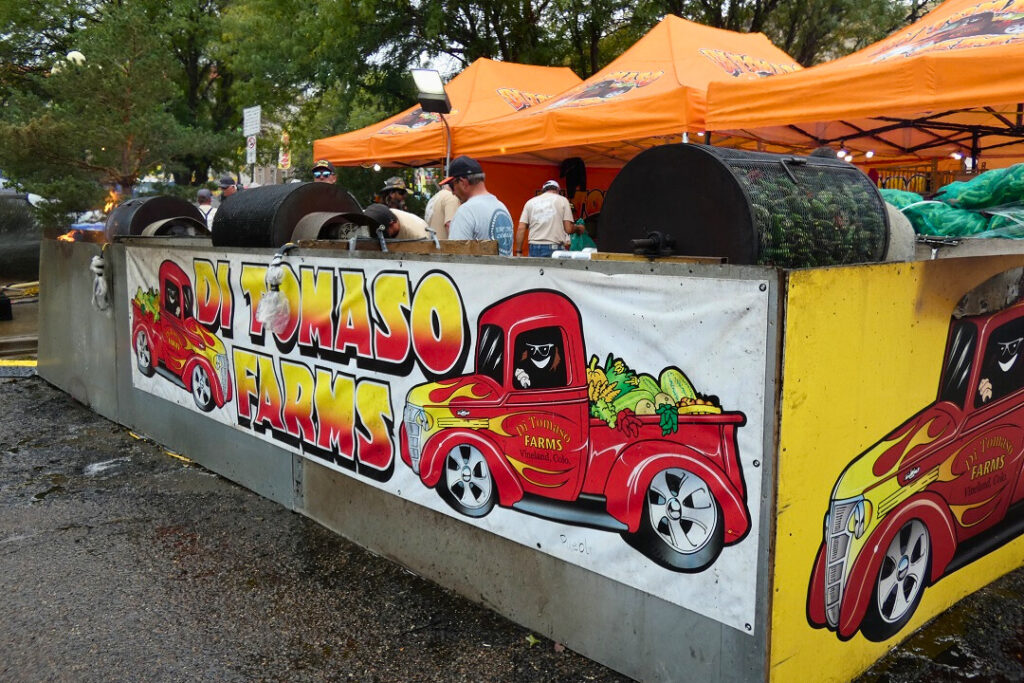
{"x":273,"y":308}
{"x":100,"y":293}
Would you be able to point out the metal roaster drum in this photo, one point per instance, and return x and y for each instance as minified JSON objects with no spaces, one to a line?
{"x":750,"y":207}
{"x":174,"y":215}
{"x":267,"y":216}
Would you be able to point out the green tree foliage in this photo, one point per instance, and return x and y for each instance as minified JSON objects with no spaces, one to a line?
{"x":164,"y":81}
{"x":72,"y":131}
{"x":510,"y":30}
{"x":811,"y":31}
{"x":595,"y":32}
{"x":33,"y":34}
{"x":191,"y":31}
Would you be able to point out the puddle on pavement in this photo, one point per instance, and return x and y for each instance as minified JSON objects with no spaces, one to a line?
{"x":57,"y":482}
{"x":939,"y":642}
{"x":95,"y":468}
{"x":949,"y":649}
{"x":43,"y":494}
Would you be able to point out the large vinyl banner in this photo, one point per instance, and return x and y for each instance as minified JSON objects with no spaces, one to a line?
{"x":612,"y":421}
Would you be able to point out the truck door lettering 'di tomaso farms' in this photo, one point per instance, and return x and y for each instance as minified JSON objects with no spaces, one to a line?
{"x":612,"y":421}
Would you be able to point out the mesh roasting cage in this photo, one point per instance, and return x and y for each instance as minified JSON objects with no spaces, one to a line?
{"x":749,"y":207}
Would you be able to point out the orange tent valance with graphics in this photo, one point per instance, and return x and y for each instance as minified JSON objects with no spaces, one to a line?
{"x":484,"y":90}
{"x":651,"y":94}
{"x":952,"y":83}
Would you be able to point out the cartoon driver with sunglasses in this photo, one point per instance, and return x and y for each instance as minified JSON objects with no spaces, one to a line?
{"x":1002,"y":371}
{"x":539,"y":359}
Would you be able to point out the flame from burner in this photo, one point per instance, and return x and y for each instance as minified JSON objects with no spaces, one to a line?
{"x":69,"y":236}
{"x":111,"y":201}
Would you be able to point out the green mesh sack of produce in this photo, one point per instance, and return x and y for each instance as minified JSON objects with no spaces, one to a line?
{"x":991,"y":188}
{"x":900,"y":198}
{"x":1010,"y":187}
{"x":936,"y":218}
{"x":1007,"y":222}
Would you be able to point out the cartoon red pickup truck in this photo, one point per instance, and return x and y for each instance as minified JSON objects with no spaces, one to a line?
{"x":931,"y":496}
{"x":168,"y":340}
{"x":520,"y":432}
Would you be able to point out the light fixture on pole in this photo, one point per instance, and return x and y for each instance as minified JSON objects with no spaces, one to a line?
{"x":431,"y":95}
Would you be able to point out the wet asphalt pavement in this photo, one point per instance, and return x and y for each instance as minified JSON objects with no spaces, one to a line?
{"x":120,"y":562}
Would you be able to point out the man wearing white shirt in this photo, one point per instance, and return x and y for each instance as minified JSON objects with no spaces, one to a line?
{"x":441,"y":210}
{"x":548,"y":216}
{"x":205,"y":201}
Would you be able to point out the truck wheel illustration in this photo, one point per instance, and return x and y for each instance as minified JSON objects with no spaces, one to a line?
{"x":466,"y":483}
{"x":900,"y":582}
{"x":681,"y":525}
{"x":144,"y":353}
{"x":201,"y":390}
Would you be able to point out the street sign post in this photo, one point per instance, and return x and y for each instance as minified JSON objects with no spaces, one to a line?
{"x":250,"y":149}
{"x":251,"y":120}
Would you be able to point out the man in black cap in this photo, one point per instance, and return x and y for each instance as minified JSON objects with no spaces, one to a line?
{"x":397,"y":224}
{"x":393,"y":193}
{"x":323,"y":172}
{"x":482,"y":216}
{"x":227,"y":186}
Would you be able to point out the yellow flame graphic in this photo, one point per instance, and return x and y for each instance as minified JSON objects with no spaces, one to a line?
{"x":521,"y":468}
{"x":920,"y":438}
{"x":466,"y":390}
{"x":960,"y":510}
{"x":946,"y":467}
{"x":498,"y":426}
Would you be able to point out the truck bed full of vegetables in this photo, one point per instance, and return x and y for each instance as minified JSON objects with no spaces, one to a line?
{"x":618,"y":394}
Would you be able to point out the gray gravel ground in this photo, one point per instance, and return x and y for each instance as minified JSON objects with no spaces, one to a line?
{"x":119,"y":562}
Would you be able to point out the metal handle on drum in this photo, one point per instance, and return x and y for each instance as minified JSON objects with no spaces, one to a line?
{"x":655,"y":244}
{"x":791,"y":160}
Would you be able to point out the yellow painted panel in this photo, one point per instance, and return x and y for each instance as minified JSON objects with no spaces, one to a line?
{"x":863,"y":351}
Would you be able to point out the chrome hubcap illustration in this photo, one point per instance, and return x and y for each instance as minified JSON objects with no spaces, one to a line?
{"x":467,"y":476}
{"x":902,"y":575}
{"x":142,"y":348}
{"x":200,"y":386}
{"x":682,"y":510}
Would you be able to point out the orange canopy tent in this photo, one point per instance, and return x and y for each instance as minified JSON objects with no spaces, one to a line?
{"x":952,"y":83}
{"x":484,"y":90}
{"x":651,"y":94}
